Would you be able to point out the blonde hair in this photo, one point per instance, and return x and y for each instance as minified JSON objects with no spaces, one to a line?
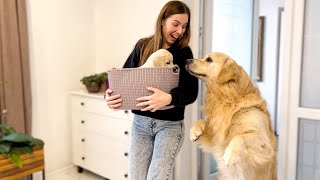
{"x":153,"y":43}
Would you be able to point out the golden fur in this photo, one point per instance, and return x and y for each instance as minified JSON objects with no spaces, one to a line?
{"x":238,"y":128}
{"x":160,"y":58}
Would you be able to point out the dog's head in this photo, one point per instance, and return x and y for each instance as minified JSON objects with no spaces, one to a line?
{"x":216,"y":67}
{"x":219,"y":69}
{"x":160,"y":58}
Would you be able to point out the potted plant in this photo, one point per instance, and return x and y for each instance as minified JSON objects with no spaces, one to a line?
{"x":13,"y":145}
{"x":93,"y":82}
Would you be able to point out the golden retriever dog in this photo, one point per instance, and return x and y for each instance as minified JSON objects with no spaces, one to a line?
{"x":238,"y":129}
{"x":160,"y":58}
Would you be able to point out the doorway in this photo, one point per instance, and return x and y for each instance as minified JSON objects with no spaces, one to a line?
{"x":227,"y":27}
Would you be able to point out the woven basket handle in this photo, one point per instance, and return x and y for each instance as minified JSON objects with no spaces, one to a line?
{"x":176,"y":69}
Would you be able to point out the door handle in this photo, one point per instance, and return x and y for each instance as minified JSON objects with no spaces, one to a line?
{"x":4,"y":112}
{"x":3,"y":115}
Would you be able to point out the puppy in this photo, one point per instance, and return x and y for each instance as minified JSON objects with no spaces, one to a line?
{"x":160,"y":58}
{"x":238,"y":129}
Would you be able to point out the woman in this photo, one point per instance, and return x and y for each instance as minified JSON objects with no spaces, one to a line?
{"x":157,"y":135}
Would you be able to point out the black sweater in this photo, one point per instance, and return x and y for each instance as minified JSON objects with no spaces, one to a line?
{"x":186,"y":92}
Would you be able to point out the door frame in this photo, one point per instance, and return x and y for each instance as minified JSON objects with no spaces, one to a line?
{"x":205,"y":28}
{"x":205,"y":46}
{"x":284,"y":92}
{"x":290,"y":110}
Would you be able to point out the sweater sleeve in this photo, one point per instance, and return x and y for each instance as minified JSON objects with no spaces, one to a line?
{"x":187,"y":91}
{"x":133,"y":59}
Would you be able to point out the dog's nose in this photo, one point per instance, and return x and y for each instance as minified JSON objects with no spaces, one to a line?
{"x":189,"y":61}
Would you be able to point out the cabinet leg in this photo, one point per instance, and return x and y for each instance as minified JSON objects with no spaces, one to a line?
{"x":80,"y":169}
{"x":44,"y":175}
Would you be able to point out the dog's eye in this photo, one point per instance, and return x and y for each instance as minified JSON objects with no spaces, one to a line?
{"x":209,"y":59}
{"x":168,"y":62}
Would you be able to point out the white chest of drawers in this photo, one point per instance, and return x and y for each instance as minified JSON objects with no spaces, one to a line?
{"x":100,"y":136}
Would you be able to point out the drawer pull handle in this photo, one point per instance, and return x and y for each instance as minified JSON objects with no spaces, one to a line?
{"x":126,"y":111}
{"x":126,"y":132}
{"x":83,"y":140}
{"x":82,"y":121}
{"x":126,"y":154}
{"x":82,"y":103}
{"x":125,"y":175}
{"x":83,"y":158}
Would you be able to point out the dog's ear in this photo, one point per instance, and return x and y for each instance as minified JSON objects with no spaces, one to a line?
{"x":158,"y":61}
{"x":229,"y":72}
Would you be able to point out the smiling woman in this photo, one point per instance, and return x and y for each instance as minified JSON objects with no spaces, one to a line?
{"x":157,"y":136}
{"x":173,"y":27}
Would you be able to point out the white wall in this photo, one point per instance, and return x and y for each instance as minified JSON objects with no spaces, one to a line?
{"x":72,"y":38}
{"x":119,"y":25}
{"x":61,"y":42}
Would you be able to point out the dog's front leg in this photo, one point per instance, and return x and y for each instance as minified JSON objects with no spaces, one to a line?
{"x":253,"y":147}
{"x":197,"y":129}
{"x":233,"y":151}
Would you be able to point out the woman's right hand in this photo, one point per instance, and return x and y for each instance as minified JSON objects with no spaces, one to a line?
{"x":113,"y":102}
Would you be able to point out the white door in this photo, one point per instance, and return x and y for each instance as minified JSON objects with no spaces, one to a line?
{"x":299,"y":150}
{"x":227,"y":27}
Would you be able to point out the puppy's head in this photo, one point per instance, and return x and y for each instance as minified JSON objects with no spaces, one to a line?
{"x":161,"y":58}
{"x":215,"y":68}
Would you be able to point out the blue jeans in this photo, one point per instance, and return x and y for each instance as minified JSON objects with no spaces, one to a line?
{"x":154,"y":146}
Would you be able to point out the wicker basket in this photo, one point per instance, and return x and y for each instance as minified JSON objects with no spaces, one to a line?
{"x":131,"y":83}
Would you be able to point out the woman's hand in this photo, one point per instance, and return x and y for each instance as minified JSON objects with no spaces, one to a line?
{"x":114,"y":102}
{"x":155,"y":101}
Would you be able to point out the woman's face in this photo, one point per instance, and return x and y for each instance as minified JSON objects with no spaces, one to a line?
{"x":174,"y":27}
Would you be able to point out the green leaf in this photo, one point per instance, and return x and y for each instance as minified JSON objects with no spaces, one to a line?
{"x":103,"y":77}
{"x":16,"y":159}
{"x":13,"y":144}
{"x":22,"y":150}
{"x":7,"y":129}
{"x":17,"y":137}
{"x":37,"y":142}
{"x":5,"y":147}
{"x":98,"y":78}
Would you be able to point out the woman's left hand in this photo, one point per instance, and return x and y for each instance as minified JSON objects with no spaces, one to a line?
{"x":155,"y":101}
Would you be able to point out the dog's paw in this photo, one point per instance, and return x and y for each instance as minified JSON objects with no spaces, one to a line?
{"x":197,"y":130}
{"x":231,"y":155}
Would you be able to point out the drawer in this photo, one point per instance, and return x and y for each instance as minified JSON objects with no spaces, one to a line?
{"x":103,"y":125}
{"x":105,"y":157}
{"x":100,"y":136}
{"x":97,"y":106}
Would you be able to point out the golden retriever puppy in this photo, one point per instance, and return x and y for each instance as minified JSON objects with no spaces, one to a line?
{"x":238,"y":130}
{"x":160,"y":58}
